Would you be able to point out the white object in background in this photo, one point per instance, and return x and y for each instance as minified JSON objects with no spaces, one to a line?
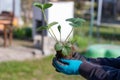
{"x":100,"y":2}
{"x":60,"y":11}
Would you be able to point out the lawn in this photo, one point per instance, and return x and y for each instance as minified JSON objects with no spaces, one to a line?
{"x":41,"y":69}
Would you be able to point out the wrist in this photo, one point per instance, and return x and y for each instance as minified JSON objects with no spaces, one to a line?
{"x":78,"y":71}
{"x":85,"y":69}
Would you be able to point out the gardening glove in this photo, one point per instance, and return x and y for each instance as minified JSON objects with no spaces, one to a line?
{"x":78,"y":56}
{"x":69,"y":67}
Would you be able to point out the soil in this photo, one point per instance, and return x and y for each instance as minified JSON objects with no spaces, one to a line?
{"x":60,"y":55}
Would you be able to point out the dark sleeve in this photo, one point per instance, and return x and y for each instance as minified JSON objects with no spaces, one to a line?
{"x":96,"y":72}
{"x":113,"y":62}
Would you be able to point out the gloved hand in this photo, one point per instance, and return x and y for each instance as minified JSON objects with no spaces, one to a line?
{"x":70,"y":67}
{"x":78,"y":56}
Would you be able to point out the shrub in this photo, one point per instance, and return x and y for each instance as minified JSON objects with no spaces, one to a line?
{"x":80,"y":42}
{"x":22,"y":33}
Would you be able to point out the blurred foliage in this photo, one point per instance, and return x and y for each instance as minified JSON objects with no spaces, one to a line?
{"x":107,"y":35}
{"x":80,"y":41}
{"x":22,"y":33}
{"x":82,"y":8}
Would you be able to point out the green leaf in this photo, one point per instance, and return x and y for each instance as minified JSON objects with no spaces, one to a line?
{"x":68,"y":44}
{"x":71,"y":20}
{"x":69,"y":50}
{"x":80,"y":20}
{"x":59,"y":28}
{"x":58,"y":46}
{"x":52,"y":24}
{"x":64,"y":51}
{"x":39,"y":5}
{"x":76,"y":22}
{"x":46,"y":6}
{"x":74,"y":25}
{"x":42,"y":28}
{"x":42,"y":6}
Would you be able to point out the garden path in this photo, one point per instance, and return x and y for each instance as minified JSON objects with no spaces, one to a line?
{"x":18,"y":52}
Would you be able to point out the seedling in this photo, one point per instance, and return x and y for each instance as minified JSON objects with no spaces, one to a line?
{"x":63,"y":48}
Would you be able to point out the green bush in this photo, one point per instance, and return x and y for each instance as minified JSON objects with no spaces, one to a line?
{"x":80,"y":42}
{"x":28,"y":32}
{"x":22,"y":33}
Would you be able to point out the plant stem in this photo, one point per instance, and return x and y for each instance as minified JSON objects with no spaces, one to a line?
{"x":44,"y":16}
{"x":52,"y":36}
{"x":69,"y":34}
{"x":60,"y":36}
{"x":50,"y":29}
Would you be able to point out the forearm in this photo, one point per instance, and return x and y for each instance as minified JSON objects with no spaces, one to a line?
{"x":113,"y":62}
{"x":95,"y":72}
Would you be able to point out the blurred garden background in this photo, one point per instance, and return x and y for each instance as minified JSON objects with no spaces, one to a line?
{"x":99,"y":36}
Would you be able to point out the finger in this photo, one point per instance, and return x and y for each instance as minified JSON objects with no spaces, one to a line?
{"x":76,"y":55}
{"x":59,"y":65}
{"x":57,"y":70}
{"x":58,"y":61}
{"x":66,"y":61}
{"x":53,"y":61}
{"x":64,"y":71}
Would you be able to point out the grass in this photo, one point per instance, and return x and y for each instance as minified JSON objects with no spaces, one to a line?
{"x":41,"y":69}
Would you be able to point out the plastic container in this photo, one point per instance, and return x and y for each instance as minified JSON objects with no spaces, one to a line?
{"x":103,"y":50}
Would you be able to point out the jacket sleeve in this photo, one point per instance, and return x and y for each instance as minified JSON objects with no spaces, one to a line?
{"x":96,"y":72}
{"x":113,"y":62}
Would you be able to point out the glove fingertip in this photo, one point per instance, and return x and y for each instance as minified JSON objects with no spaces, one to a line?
{"x":57,"y":70}
{"x":64,"y":60}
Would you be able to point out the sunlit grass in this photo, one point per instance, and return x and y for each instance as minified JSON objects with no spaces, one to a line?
{"x":41,"y":69}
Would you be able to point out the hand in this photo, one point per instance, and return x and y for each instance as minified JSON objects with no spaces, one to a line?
{"x":70,"y":67}
{"x":78,"y":56}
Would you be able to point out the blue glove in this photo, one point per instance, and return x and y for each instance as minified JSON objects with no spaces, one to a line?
{"x":70,"y":67}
